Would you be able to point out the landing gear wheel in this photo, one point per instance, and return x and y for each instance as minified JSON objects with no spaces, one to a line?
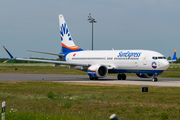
{"x":155,"y":80}
{"x":93,"y":78}
{"x":96,"y":78}
{"x":123,"y":77}
{"x":119,"y":76}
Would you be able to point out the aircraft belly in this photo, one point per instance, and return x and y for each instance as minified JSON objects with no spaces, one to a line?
{"x":134,"y":71}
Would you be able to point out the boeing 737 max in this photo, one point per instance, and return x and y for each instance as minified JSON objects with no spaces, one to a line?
{"x":98,"y":63}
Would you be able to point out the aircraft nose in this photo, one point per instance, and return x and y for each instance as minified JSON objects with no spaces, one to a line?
{"x":165,"y":64}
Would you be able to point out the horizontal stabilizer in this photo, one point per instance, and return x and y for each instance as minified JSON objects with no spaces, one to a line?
{"x":62,"y":55}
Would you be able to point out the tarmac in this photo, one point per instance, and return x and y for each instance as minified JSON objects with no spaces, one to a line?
{"x":85,"y":79}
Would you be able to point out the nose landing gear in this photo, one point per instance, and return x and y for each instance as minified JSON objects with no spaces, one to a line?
{"x":154,"y":79}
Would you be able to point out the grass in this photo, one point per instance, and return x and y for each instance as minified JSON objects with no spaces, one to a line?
{"x":26,"y":64}
{"x":175,"y":64}
{"x":39,"y":69}
{"x":77,"y":101}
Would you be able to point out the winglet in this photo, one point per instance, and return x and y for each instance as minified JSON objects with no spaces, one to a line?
{"x":9,"y":55}
{"x":174,"y":57}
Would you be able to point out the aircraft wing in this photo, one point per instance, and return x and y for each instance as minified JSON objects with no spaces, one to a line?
{"x":50,"y":61}
{"x":171,"y":61}
{"x":63,"y":63}
{"x":47,"y":61}
{"x":174,"y":57}
{"x":55,"y":62}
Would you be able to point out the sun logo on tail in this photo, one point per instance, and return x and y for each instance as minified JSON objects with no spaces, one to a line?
{"x":64,"y":31}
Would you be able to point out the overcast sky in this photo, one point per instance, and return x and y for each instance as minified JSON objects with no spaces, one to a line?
{"x":121,"y":24}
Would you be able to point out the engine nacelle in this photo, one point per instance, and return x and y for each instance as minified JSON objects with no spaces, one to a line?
{"x":144,"y":75}
{"x":97,"y":71}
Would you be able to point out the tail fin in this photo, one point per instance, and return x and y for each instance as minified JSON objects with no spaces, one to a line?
{"x":66,"y":39}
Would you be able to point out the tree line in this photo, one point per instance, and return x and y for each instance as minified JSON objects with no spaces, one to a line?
{"x":23,"y":61}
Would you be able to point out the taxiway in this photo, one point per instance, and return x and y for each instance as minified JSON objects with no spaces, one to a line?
{"x":85,"y":79}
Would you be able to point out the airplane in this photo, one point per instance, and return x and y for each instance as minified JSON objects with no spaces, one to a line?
{"x":98,"y":63}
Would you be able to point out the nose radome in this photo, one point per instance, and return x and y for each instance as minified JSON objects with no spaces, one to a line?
{"x":165,"y":64}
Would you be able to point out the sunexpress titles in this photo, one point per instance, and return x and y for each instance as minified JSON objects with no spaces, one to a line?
{"x":129,"y":54}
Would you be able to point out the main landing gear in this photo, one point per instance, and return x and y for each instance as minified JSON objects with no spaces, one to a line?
{"x":93,"y":78}
{"x":121,"y":76}
{"x":154,"y":79}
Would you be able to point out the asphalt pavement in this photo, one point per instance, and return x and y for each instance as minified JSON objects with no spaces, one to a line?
{"x":85,"y":79}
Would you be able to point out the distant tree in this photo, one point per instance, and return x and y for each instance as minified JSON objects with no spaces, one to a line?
{"x":169,"y":58}
{"x":3,"y":59}
{"x":59,"y":59}
{"x":178,"y":60}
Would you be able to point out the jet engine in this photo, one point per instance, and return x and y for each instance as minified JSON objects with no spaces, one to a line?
{"x":144,"y":75}
{"x":96,"y":71}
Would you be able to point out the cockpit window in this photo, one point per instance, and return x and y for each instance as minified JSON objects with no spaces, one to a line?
{"x":161,"y":57}
{"x":155,"y":58}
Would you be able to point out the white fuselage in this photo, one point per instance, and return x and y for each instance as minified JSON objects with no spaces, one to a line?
{"x":125,"y":60}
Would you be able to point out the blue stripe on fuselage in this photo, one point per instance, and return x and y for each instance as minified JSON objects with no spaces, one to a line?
{"x":129,"y":71}
{"x":134,"y":71}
